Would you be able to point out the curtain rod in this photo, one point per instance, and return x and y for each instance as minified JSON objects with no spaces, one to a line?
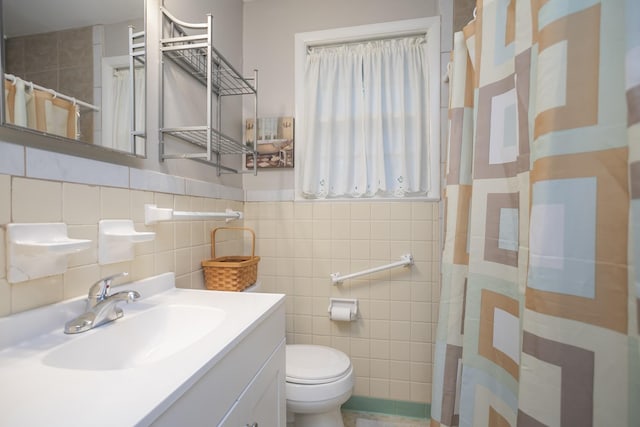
{"x":55,"y":94}
{"x":338,"y":43}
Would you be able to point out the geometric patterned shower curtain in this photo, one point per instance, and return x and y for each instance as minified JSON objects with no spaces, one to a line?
{"x":540,"y":304}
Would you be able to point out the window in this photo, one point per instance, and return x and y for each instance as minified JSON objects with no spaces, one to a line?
{"x":367,"y":109}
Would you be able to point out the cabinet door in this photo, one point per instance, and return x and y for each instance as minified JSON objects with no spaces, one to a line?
{"x":263,"y":403}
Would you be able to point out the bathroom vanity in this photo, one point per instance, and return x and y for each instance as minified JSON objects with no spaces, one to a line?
{"x":177,"y":357}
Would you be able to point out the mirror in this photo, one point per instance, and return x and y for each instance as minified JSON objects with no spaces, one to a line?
{"x":67,"y":71}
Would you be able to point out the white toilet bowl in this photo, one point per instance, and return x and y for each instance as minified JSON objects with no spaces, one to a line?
{"x":319,"y":380}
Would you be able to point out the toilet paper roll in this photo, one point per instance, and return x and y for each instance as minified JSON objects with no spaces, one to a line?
{"x":342,"y":314}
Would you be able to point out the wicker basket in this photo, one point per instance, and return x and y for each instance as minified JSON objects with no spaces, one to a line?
{"x":230,"y":273}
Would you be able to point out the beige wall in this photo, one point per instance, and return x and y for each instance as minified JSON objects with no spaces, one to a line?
{"x":178,"y":246}
{"x":390,"y":344}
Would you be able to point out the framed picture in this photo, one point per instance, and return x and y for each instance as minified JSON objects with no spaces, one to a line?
{"x":275,"y":142}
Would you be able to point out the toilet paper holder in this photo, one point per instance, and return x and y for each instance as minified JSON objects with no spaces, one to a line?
{"x":343,"y":309}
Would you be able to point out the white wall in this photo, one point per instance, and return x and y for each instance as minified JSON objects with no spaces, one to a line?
{"x":115,"y":37}
{"x":268,"y":45}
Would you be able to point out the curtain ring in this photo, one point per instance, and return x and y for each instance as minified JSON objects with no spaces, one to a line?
{"x":446,"y":77}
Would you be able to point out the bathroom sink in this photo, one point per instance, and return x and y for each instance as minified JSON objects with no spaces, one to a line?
{"x":144,"y":362}
{"x":137,"y":339}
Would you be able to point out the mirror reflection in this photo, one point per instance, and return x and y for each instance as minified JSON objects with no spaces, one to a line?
{"x":68,"y":71}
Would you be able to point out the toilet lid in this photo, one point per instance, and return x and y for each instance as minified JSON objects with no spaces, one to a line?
{"x":315,"y":364}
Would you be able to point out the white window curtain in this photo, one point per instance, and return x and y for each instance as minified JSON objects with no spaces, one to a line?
{"x":367,"y":120}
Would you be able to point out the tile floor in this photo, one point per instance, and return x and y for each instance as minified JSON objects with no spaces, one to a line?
{"x":368,"y":419}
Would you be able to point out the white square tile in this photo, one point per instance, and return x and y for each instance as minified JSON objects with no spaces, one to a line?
{"x":5,"y":293}
{"x":61,"y":167}
{"x":12,"y":159}
{"x":5,"y":199}
{"x":156,"y":181}
{"x":80,"y":204}
{"x":34,"y":200}
{"x":36,"y":293}
{"x":114,"y":203}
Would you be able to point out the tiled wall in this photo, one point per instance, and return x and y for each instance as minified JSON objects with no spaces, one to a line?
{"x":178,"y":246}
{"x":301,"y":243}
{"x":62,"y":61}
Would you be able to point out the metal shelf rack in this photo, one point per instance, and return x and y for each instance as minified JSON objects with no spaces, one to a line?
{"x":189,"y":46}
{"x":137,"y":59}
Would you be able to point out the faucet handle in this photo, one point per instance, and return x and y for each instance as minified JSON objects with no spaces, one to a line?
{"x":99,"y":290}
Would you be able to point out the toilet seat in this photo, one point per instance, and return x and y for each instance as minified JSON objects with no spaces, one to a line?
{"x":318,"y":380}
{"x":314,"y":364}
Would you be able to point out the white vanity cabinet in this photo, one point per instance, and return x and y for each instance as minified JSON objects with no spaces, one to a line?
{"x":262,"y":404}
{"x":245,"y":387}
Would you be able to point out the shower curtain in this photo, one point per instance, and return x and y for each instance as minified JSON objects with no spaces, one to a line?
{"x":119,"y":135}
{"x":39,"y":109}
{"x":540,"y":303}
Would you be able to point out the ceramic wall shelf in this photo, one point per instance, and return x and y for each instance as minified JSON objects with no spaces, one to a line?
{"x":117,"y":239}
{"x":39,"y":250}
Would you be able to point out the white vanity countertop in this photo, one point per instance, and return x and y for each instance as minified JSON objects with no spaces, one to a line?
{"x":35,"y":394}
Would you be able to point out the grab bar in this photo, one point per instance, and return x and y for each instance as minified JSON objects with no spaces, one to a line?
{"x":405,"y":260}
{"x":153,"y":214}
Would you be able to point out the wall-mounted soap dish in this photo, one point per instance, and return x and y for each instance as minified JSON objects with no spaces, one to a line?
{"x":116,"y":240}
{"x":39,"y":250}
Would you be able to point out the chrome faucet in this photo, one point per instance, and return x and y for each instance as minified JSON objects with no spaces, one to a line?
{"x":101,"y":306}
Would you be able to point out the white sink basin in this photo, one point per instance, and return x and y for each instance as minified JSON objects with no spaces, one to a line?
{"x":143,"y":362}
{"x":138,"y":338}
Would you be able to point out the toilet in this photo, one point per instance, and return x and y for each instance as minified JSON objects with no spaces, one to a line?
{"x":318,"y":380}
